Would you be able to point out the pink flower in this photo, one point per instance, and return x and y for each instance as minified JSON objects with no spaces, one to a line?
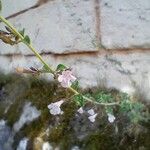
{"x":66,"y":78}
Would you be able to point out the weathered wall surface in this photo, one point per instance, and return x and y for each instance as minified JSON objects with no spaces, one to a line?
{"x":106,"y":42}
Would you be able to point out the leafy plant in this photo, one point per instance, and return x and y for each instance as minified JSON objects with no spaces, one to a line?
{"x":133,"y":109}
{"x":79,"y":100}
{"x":63,"y":74}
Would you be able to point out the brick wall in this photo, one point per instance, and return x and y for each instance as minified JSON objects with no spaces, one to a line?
{"x":106,"y":42}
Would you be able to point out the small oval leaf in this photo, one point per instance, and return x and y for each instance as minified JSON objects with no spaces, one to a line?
{"x":79,"y":99}
{"x":61,"y":67}
{"x":27,"y":39}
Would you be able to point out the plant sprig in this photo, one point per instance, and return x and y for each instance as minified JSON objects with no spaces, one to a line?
{"x":26,"y":40}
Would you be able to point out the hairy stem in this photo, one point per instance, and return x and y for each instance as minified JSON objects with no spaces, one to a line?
{"x":104,"y":104}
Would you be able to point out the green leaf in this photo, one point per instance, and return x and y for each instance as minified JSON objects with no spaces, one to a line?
{"x":22,"y":32}
{"x":125,"y":106}
{"x":104,"y":97}
{"x":61,"y":67}
{"x":75,"y":85}
{"x":79,"y":99}
{"x":0,"y":6}
{"x":27,"y":39}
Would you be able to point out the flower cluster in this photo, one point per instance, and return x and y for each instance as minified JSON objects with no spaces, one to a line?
{"x":56,"y":110}
{"x":91,"y":114}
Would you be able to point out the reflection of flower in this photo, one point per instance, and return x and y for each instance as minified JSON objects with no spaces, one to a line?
{"x":66,"y":78}
{"x":111,"y":118}
{"x":55,"y":108}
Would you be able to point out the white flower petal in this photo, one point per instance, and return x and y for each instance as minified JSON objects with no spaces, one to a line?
{"x":60,"y":78}
{"x":59,"y":103}
{"x":92,"y":118}
{"x":80,"y":110}
{"x":55,"y":108}
{"x":56,"y":111}
{"x":50,"y":105}
{"x":111,"y":118}
{"x":91,"y":112}
{"x":65,"y":84}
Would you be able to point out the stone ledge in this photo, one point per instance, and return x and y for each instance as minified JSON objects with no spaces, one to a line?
{"x":129,"y":73}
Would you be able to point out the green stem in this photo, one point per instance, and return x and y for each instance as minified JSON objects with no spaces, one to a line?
{"x":40,"y":58}
{"x":45,"y":64}
{"x":27,"y":44}
{"x":104,"y":104}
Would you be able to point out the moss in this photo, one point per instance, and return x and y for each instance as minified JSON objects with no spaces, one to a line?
{"x":13,"y":86}
{"x":40,"y":93}
{"x":59,"y":132}
{"x":99,"y":141}
{"x":2,"y":109}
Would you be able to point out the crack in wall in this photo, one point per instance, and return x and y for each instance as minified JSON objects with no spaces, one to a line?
{"x":102,"y":52}
{"x":39,"y":3}
{"x":53,"y":54}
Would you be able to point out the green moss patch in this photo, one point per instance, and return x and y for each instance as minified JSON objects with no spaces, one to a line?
{"x":40,"y":93}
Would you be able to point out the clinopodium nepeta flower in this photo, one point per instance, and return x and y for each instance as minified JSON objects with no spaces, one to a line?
{"x":80,"y":110}
{"x":92,"y":118}
{"x":111,"y":118}
{"x":66,"y":78}
{"x":55,"y":108}
{"x":92,"y":114}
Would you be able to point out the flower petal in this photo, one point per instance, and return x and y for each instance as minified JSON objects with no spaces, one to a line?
{"x":66,"y":78}
{"x":60,"y":78}
{"x":55,"y":108}
{"x":92,"y":118}
{"x":59,"y":103}
{"x":91,"y":112}
{"x":111,"y":118}
{"x":80,"y":110}
{"x":65,"y":84}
